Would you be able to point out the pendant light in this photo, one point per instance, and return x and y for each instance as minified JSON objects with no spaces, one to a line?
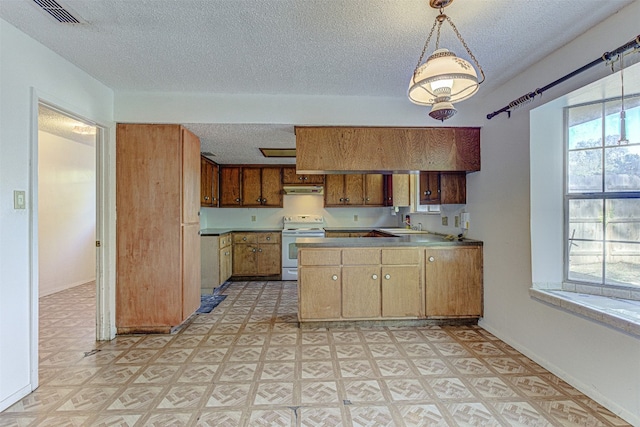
{"x":444,"y":78}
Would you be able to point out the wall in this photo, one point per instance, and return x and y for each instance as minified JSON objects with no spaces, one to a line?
{"x":27,"y":66}
{"x":602,"y":362}
{"x":240,"y":218}
{"x":66,"y":213}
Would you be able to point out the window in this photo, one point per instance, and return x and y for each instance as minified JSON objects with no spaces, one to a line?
{"x":602,"y":194}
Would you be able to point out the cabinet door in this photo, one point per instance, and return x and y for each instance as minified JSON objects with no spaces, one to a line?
{"x":190,"y":269}
{"x":224,"y":258}
{"x":269,"y":260}
{"x":334,"y":190}
{"x":400,"y":189}
{"x":453,"y":188}
{"x":245,"y":260}
{"x":290,"y":177}
{"x":206,"y":182}
{"x":374,"y":189}
{"x":319,"y":293}
{"x":230,"y":186}
{"x":314,"y":179}
{"x":272,"y":187}
{"x":251,"y":187}
{"x":361,"y":291}
{"x":453,"y":281}
{"x":401,"y":291}
{"x":209,"y":263}
{"x":354,"y":190}
{"x":215,"y":178}
{"x":190,"y":178}
{"x":429,"y":188}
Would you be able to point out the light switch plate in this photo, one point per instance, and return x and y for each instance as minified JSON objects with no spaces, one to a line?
{"x":19,"y":199}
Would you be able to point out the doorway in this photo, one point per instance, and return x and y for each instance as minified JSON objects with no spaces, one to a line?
{"x":67,"y":219}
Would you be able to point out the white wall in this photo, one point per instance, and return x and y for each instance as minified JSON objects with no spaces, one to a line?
{"x":66,"y":213}
{"x":602,"y":362}
{"x":27,"y":66}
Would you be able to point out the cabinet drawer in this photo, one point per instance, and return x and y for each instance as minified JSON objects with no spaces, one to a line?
{"x":361,"y":256}
{"x":319,"y":257}
{"x":399,"y":256}
{"x":268,"y":237}
{"x":245,"y":238}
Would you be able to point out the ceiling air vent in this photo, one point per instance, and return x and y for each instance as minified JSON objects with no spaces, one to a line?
{"x":58,"y":12}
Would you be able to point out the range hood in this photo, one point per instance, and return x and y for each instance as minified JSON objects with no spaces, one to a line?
{"x":303,"y":189}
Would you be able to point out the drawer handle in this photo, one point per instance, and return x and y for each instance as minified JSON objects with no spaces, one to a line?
{"x":431,"y":259}
{"x":374,"y":277}
{"x":334,"y":277}
{"x":387,"y":276}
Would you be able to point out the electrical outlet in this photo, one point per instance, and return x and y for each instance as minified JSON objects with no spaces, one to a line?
{"x":355,"y":217}
{"x":253,"y":218}
{"x":456,"y":220}
{"x":445,"y":220}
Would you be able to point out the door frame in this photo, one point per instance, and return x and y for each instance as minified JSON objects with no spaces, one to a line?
{"x":105,"y":224}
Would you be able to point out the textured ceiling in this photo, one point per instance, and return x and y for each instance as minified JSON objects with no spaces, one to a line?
{"x":304,"y":47}
{"x":59,"y":124}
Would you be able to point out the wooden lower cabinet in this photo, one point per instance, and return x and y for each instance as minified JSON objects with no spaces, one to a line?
{"x":319,"y":293}
{"x":257,"y":254}
{"x":389,"y":283}
{"x":215,"y":261}
{"x":225,"y":258}
{"x":454,"y":281}
{"x":372,"y":283}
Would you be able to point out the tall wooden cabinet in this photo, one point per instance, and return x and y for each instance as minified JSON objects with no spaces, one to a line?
{"x":158,"y":242}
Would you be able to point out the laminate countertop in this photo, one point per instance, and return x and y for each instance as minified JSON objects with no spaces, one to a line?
{"x":402,"y":237}
{"x":221,"y":231}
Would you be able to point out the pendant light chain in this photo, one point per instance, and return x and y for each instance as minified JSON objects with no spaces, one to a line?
{"x":424,"y":49}
{"x":466,"y":47}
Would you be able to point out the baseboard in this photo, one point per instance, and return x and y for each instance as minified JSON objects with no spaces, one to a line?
{"x":15,"y":397}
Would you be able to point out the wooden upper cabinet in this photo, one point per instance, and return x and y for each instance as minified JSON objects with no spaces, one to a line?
{"x":374,"y":189}
{"x":208,"y":183}
{"x":250,"y":186}
{"x":271,"y":186}
{"x":290,"y":177}
{"x":443,"y":188}
{"x":230,"y":186}
{"x":386,"y":149}
{"x":354,"y":190}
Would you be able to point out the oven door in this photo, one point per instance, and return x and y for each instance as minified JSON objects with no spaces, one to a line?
{"x":289,"y":248}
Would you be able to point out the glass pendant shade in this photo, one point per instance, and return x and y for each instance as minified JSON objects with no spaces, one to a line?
{"x":443,"y":75}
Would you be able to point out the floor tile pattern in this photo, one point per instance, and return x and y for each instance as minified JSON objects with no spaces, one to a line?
{"x":248,"y":364}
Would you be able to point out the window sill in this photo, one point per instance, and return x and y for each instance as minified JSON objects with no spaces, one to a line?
{"x":622,"y":314}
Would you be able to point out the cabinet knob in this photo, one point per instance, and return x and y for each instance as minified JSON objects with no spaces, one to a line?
{"x":387,"y":276}
{"x":427,"y":193}
{"x":244,"y":238}
{"x":258,"y":200}
{"x":305,"y":178}
{"x":300,"y":178}
{"x":346,"y":200}
{"x":374,"y":277}
{"x":431,"y":259}
{"x":238,"y":200}
{"x":226,"y":253}
{"x":334,"y":277}
{"x":341,"y":199}
{"x":260,"y":250}
{"x":268,"y":237}
{"x":253,"y":250}
{"x":206,"y":197}
{"x":264,"y":200}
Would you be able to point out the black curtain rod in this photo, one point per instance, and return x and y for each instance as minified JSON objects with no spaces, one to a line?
{"x":607,"y":56}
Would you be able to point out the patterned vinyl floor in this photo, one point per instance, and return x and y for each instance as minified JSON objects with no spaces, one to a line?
{"x":248,"y":364}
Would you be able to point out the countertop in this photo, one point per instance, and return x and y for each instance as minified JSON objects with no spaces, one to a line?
{"x":418,"y":239}
{"x":220,"y":231}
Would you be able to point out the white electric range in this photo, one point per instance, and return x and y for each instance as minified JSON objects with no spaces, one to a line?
{"x":295,"y":226}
